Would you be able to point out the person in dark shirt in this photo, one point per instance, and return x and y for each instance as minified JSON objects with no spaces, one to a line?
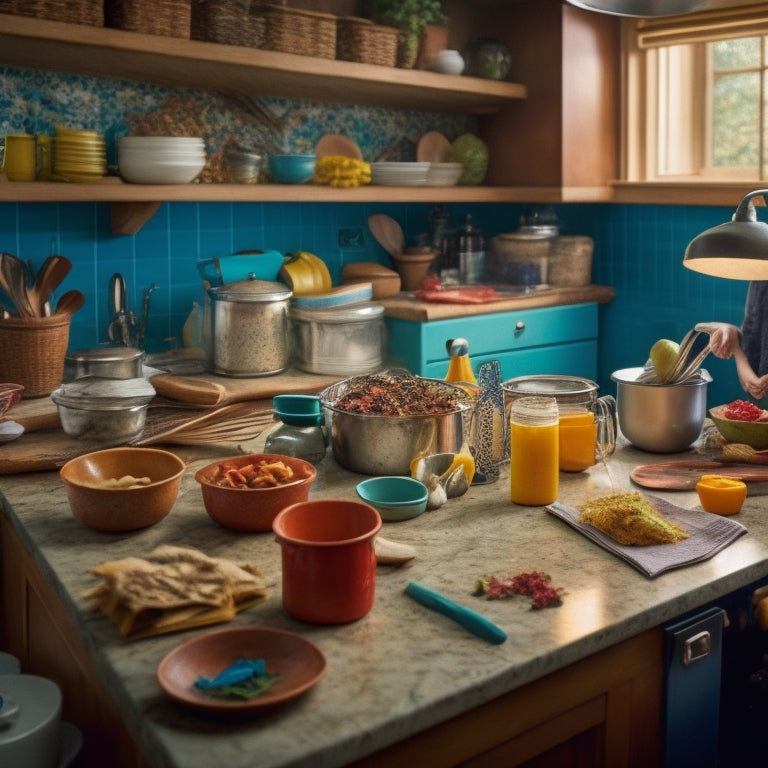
{"x":748,"y":345}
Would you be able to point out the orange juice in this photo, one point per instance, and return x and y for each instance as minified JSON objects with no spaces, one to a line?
{"x":534,"y":477}
{"x":578,"y":441}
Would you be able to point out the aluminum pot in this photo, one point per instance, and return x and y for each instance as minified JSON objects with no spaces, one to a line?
{"x":660,"y":418}
{"x":375,"y":444}
{"x":247,"y":328}
{"x":106,"y":362}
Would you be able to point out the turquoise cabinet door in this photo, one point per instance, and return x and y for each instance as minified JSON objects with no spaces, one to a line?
{"x":544,"y":340}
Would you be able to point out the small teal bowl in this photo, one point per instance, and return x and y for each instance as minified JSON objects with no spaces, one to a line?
{"x":291,"y":169}
{"x":298,"y":410}
{"x":395,"y":497}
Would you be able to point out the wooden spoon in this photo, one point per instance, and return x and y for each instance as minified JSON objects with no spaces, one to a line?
{"x":336,"y":145}
{"x":50,"y":275}
{"x":388,"y":233}
{"x":69,"y":303}
{"x":433,"y":147}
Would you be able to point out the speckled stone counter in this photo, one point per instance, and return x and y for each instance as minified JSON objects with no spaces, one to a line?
{"x":402,"y":668}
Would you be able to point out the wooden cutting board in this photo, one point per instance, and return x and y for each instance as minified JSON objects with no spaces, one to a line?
{"x":683,"y":475}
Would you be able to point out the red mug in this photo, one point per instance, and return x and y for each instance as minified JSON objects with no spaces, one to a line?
{"x":328,"y":561}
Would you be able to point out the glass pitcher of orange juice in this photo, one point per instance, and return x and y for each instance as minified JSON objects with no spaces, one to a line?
{"x":587,"y":422}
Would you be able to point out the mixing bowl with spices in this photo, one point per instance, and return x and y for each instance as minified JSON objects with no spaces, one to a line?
{"x":381,"y":422}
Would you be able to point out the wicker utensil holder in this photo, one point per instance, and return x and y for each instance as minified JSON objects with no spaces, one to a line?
{"x":32,"y":352}
{"x":570,"y":260}
{"x":363,"y":41}
{"x":228,"y":22}
{"x":170,"y":18}
{"x":294,"y":30}
{"x":70,"y":11}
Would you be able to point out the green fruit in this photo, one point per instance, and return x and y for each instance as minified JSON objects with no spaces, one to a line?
{"x":664,"y":354}
{"x":472,"y":153}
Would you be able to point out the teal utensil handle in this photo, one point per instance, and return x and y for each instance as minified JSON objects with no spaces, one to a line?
{"x":468,"y":618}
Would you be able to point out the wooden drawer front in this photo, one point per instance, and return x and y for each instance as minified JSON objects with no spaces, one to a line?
{"x":419,"y":346}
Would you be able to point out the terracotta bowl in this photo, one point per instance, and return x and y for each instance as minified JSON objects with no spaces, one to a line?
{"x":122,"y":508}
{"x":253,"y":509}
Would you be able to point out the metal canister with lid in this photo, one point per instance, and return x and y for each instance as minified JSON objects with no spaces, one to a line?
{"x":247,"y":333}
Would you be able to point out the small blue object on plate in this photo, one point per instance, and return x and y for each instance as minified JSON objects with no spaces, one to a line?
{"x":298,"y":410}
{"x":291,"y":169}
{"x":395,"y":497}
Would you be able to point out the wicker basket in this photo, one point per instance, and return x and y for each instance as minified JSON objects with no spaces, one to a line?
{"x":170,"y":18}
{"x":570,"y":260}
{"x":229,"y":22}
{"x":89,"y":12}
{"x":32,"y":352}
{"x":294,"y":30}
{"x":363,"y":41}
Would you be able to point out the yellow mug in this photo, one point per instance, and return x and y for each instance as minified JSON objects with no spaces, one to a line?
{"x":20,"y":157}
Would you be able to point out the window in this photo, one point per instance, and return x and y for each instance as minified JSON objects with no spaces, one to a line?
{"x":696,"y":99}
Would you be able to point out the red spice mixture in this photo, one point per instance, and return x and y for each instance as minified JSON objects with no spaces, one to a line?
{"x":386,"y":395}
{"x":535,"y":585}
{"x":742,"y":410}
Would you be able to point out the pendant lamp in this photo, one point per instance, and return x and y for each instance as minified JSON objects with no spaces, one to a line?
{"x":649,"y":8}
{"x":737,"y":249}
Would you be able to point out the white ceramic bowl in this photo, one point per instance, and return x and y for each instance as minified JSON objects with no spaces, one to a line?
{"x":444,"y":174}
{"x":140,"y":170}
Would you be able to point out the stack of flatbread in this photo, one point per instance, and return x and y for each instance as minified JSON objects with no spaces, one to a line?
{"x":174,"y":588}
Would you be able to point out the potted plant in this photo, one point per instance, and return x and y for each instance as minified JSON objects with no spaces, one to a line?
{"x":411,"y":17}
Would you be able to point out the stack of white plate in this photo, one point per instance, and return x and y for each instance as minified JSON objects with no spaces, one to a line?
{"x":444,"y":174}
{"x":160,"y":159}
{"x":399,"y":174}
{"x":79,"y":155}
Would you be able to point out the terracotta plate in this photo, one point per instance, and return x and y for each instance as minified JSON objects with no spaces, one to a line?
{"x":333,"y":144}
{"x":299,"y":663}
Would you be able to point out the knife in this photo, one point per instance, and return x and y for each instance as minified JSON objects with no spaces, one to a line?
{"x":466,"y":617}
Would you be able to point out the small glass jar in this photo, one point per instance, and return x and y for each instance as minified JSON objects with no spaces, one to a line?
{"x":534,"y":451}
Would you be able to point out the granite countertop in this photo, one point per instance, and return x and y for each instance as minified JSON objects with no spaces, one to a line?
{"x":402,"y":668}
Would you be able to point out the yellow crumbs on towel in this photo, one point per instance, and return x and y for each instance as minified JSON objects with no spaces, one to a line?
{"x":630,"y":519}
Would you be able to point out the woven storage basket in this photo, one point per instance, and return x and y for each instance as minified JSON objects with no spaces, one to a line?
{"x":570,"y":260}
{"x":170,"y":18}
{"x":70,"y":11}
{"x":32,"y":352}
{"x":229,"y":22}
{"x":368,"y":43}
{"x":294,"y":30}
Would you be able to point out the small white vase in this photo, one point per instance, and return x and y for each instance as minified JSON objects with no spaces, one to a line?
{"x":449,"y":62}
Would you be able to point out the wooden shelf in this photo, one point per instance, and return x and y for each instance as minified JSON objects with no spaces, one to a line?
{"x":102,"y":52}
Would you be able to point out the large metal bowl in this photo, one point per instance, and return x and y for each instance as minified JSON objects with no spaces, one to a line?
{"x":660,"y":418}
{"x":385,"y":445}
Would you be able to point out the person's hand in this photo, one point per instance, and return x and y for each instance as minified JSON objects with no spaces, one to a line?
{"x":757,"y":388}
{"x":725,"y":340}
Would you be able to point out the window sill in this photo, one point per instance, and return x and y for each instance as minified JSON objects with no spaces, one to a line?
{"x":689,"y":192}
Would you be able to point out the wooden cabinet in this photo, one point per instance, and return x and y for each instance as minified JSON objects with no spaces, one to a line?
{"x":527,"y":341}
{"x":551,"y":131}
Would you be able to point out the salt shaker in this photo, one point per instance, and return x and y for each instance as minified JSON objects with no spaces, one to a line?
{"x":534,"y":451}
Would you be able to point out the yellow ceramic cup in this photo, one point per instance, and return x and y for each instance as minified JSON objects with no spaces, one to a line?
{"x":20,"y":157}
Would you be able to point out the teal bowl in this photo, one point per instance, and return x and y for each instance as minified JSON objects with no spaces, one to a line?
{"x":394,"y":497}
{"x":298,"y":410}
{"x":291,"y":169}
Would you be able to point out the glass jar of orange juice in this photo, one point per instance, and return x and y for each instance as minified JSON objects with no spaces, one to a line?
{"x":587,"y":421}
{"x":533,"y":451}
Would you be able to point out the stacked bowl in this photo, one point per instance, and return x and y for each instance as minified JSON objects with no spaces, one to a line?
{"x":399,"y":174}
{"x":160,"y":159}
{"x":79,"y":155}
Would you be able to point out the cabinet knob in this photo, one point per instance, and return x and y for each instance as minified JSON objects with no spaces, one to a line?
{"x":519,"y":325}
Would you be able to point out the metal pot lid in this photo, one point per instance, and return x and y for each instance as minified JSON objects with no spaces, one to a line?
{"x":552,"y":385}
{"x":251,"y":290}
{"x":105,"y":354}
{"x":96,"y":390}
{"x":345,"y":313}
{"x":29,"y":705}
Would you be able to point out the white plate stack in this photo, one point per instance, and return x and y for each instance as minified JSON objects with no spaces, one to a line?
{"x":399,"y":174}
{"x":160,"y":159}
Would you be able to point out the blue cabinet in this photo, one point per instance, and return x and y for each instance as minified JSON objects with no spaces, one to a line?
{"x":557,"y":340}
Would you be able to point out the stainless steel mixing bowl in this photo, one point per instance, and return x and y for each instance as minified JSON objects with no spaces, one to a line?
{"x":660,"y":418}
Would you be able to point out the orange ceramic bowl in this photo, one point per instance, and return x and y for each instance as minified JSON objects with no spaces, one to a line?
{"x":253,"y":509}
{"x":122,"y":508}
{"x":328,"y":562}
{"x":721,"y":495}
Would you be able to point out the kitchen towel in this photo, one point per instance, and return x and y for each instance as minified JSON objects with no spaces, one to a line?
{"x":707,"y":535}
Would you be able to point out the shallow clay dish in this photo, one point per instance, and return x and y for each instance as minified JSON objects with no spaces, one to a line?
{"x":253,"y":509}
{"x":127,"y":508}
{"x":336,"y":145}
{"x":299,"y":663}
{"x":752,"y":433}
{"x":433,"y":147}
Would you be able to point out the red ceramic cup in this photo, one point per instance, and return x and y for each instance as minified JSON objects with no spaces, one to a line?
{"x":329,"y":566}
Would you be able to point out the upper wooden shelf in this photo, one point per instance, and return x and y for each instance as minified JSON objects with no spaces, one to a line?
{"x":103,"y":52}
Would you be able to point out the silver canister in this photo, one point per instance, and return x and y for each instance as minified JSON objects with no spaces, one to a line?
{"x":248,"y":333}
{"x":345,"y":340}
{"x":104,"y":362}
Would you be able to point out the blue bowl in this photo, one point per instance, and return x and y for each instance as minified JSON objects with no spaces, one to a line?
{"x":298,"y":410}
{"x":291,"y":169}
{"x":394,"y":497}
